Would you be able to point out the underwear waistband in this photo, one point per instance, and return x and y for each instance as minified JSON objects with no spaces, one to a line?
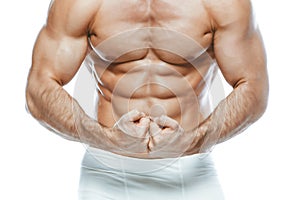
{"x":103,"y":160}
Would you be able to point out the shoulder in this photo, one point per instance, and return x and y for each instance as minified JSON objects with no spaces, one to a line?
{"x":226,"y":12}
{"x":72,"y":16}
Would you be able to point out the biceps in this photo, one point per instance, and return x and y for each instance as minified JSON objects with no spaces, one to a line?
{"x":58,"y":57}
{"x":241,"y":58}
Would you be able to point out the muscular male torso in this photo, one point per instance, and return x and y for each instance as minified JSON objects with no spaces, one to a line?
{"x":153,"y":56}
{"x":158,"y":57}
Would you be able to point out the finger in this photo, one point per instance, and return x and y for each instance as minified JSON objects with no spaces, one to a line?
{"x":134,"y":115}
{"x":144,"y":122}
{"x":166,"y":122}
{"x":154,"y":129}
{"x":144,"y":125}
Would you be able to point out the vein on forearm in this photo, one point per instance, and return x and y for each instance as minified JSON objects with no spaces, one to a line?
{"x":52,"y":105}
{"x":242,"y":107}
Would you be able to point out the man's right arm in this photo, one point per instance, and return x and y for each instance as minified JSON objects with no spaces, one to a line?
{"x":58,"y":53}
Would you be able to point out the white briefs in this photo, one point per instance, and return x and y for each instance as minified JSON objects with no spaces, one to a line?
{"x":108,"y":176}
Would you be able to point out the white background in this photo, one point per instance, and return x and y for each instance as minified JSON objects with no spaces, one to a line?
{"x":262,"y":163}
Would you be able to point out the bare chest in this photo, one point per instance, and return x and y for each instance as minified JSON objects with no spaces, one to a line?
{"x":169,"y":28}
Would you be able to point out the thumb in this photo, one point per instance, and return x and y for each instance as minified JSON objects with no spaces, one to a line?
{"x":144,"y":124}
{"x":154,"y":129}
{"x":165,"y":121}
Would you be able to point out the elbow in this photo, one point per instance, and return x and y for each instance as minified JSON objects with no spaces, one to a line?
{"x":260,"y":101}
{"x":261,"y":107}
{"x":29,"y":104}
{"x":31,"y":98}
{"x":254,"y":94}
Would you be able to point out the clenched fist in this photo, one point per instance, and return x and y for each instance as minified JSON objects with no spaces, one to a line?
{"x":130,"y":135}
{"x":168,"y":139}
{"x":138,"y":135}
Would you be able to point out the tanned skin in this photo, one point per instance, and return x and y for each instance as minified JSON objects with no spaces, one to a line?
{"x":144,"y":117}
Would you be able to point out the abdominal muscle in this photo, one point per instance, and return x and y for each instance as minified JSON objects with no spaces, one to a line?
{"x":148,"y":45}
{"x":154,"y":87}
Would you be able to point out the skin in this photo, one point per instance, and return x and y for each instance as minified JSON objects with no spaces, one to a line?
{"x":152,"y":102}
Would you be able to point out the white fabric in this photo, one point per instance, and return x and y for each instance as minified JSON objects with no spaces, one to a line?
{"x":106,"y":176}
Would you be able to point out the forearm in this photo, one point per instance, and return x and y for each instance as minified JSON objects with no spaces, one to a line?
{"x":242,"y":107}
{"x":50,"y":104}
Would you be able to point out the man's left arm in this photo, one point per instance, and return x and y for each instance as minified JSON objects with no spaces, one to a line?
{"x":240,"y":53}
